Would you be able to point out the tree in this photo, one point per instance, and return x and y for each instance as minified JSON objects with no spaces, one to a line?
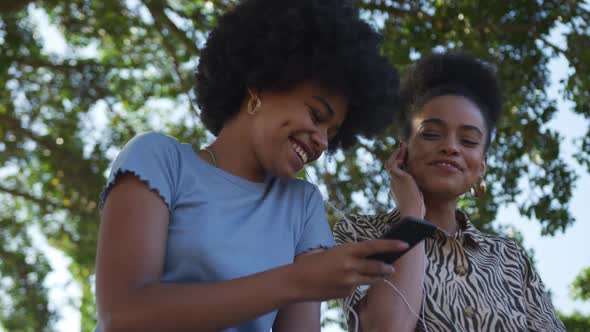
{"x":578,"y":322}
{"x":128,"y":68}
{"x":575,"y":322}
{"x":581,"y":285}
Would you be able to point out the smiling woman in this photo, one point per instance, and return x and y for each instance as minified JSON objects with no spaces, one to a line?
{"x":224,"y":238}
{"x":456,"y":124}
{"x":290,"y":128}
{"x":460,"y":279}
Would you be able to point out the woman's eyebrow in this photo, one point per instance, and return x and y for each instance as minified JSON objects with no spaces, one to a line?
{"x":472,"y":128}
{"x":325,"y":103}
{"x":439,"y":122}
{"x":435,"y":121}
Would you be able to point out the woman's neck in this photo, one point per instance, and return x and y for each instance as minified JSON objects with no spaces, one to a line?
{"x":235,"y":155}
{"x":442,"y":214}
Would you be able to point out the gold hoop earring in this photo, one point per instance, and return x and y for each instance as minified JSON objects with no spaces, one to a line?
{"x":479,"y":188}
{"x":254,"y":104}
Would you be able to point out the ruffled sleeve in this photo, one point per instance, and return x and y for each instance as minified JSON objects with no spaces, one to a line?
{"x":316,"y":231}
{"x":154,"y":159}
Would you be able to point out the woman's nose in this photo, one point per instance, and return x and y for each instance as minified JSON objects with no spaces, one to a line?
{"x":450,"y":146}
{"x":320,"y":140}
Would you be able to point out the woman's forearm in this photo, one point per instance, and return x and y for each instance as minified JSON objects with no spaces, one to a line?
{"x":383,"y":309}
{"x":200,"y":307}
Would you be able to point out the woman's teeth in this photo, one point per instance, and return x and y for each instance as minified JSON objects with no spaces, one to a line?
{"x":300,"y":152}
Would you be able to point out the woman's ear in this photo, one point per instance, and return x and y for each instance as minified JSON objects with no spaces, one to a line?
{"x":484,"y":165}
{"x":404,"y":145}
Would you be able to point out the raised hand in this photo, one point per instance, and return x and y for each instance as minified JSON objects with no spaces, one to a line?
{"x":405,"y":191}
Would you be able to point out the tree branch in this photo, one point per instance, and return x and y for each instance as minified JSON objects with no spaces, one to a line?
{"x":535,"y":34}
{"x":528,"y":28}
{"x":516,"y":28}
{"x":176,"y":64}
{"x":12,"y":6}
{"x":197,"y":18}
{"x":15,"y":124}
{"x":37,"y":63}
{"x":396,"y":12}
{"x":556,"y":49}
{"x":130,"y":130}
{"x":29,"y":197}
{"x":160,"y":16}
{"x":66,"y":157}
{"x":64,"y":67}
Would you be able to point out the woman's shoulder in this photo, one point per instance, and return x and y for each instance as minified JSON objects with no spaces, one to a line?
{"x":503,"y":244}
{"x":299,"y":188}
{"x":154,"y":159}
{"x":152,"y":141}
{"x":359,"y":227}
{"x":155,"y":149}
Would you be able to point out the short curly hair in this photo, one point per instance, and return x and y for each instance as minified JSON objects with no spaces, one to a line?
{"x":451,"y":73}
{"x":276,"y":44}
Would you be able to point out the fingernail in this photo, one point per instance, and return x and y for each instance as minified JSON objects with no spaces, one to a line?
{"x":389,"y":269}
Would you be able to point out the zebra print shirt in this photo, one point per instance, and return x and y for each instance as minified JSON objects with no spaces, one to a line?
{"x":473,"y":282}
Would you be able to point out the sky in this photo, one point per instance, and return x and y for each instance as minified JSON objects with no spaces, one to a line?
{"x":559,"y":258}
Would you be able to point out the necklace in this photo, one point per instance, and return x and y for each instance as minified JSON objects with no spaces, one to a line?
{"x":208,"y":149}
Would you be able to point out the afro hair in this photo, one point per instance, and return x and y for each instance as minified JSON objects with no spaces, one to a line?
{"x":451,"y":73}
{"x":276,"y":44}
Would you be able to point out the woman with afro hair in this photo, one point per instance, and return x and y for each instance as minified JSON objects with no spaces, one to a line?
{"x":459,"y":279}
{"x":224,"y":237}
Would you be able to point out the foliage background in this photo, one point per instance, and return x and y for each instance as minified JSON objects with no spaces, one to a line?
{"x":128,"y":67}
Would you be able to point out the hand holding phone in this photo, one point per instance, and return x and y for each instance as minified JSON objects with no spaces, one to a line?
{"x":411,"y":230}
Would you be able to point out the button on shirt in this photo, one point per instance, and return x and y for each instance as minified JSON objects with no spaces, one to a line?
{"x":473,"y":282}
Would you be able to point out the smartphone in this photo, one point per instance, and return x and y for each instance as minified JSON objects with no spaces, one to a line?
{"x":410,"y":230}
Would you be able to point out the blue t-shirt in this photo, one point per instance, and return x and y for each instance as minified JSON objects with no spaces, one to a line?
{"x":222,"y":226}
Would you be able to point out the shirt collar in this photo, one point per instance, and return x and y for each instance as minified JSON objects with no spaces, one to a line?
{"x":467,"y":232}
